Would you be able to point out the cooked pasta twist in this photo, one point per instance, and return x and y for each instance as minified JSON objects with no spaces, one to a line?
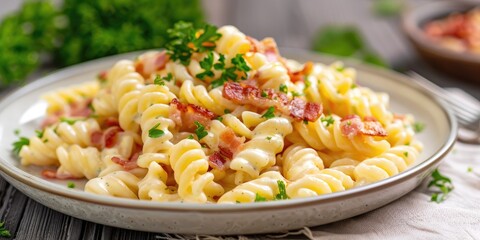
{"x":104,"y":105}
{"x":232,"y":42}
{"x":116,"y":184}
{"x":78,"y":162}
{"x":299,"y":160}
{"x":63,"y":99}
{"x":190,"y":165}
{"x":42,"y":151}
{"x":390,"y":163}
{"x":259,"y":153}
{"x":212,"y":100}
{"x":326,"y":181}
{"x":265,"y":186}
{"x":321,"y":137}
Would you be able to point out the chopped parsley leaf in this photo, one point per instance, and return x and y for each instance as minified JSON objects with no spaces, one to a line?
{"x":219,"y":118}
{"x":69,"y":121}
{"x":16,"y":132}
{"x":353,"y":86}
{"x":154,"y":132}
{"x":307,"y":84}
{"x":296,"y":94}
{"x":263,"y":94}
{"x":200,"y":131}
{"x":328,"y":120}
{"x":71,"y":185}
{"x":405,"y":154}
{"x":268,"y":138}
{"x":206,"y":64}
{"x":226,"y":111}
{"x":168,"y":78}
{"x":269,"y":113}
{"x":18,"y":145}
{"x":282,"y":192}
{"x":4,"y":232}
{"x":259,"y":198}
{"x":184,"y":40}
{"x":443,"y":183}
{"x":159,"y":81}
{"x":190,"y":136}
{"x":305,"y":122}
{"x":283,"y":88}
{"x":40,"y":133}
{"x":238,"y":66}
{"x":418,"y":127}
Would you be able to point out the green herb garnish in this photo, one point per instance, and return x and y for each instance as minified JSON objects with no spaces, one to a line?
{"x":443,"y":183}
{"x":230,"y":73}
{"x":159,"y":81}
{"x":259,"y":198}
{"x":69,"y":121}
{"x":405,"y":154}
{"x":4,"y":232}
{"x":206,"y":64}
{"x":200,"y":131}
{"x":263,"y":94}
{"x":418,"y":127}
{"x":328,"y":120}
{"x":185,"y":40}
{"x":268,"y":138}
{"x":296,"y":94}
{"x":269,"y":113}
{"x":18,"y":145}
{"x":71,"y":185}
{"x":469,"y":169}
{"x":190,"y":136}
{"x":226,"y":111}
{"x":283,"y":88}
{"x":16,"y":132}
{"x":219,"y":118}
{"x":282,"y":191}
{"x":154,"y":132}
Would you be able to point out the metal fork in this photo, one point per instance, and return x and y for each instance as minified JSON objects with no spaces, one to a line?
{"x":465,"y":107}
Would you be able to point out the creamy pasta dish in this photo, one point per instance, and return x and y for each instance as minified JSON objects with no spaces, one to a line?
{"x":220,"y":117}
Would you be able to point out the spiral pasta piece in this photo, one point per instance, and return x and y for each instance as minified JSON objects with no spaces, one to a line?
{"x":320,"y":136}
{"x":259,"y":153}
{"x":190,"y":166}
{"x":116,"y":184}
{"x":61,"y":100}
{"x":104,"y":105}
{"x":153,"y":186}
{"x":232,"y":42}
{"x":265,"y":186}
{"x":299,"y":160}
{"x":42,"y":150}
{"x":326,"y":181}
{"x":390,"y":163}
{"x":78,"y":162}
{"x":212,"y":100}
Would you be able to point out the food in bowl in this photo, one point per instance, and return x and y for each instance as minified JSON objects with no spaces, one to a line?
{"x":459,"y":32}
{"x":220,"y":117}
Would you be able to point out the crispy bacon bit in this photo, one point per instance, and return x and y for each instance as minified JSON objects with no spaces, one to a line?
{"x":217,"y":160}
{"x":249,"y":95}
{"x":109,"y":138}
{"x":111,"y":122}
{"x":255,"y":45}
{"x":50,"y":120}
{"x":96,"y":138}
{"x":229,"y":143}
{"x":127,"y":164}
{"x":102,"y":76}
{"x":185,"y":115}
{"x":299,"y":75}
{"x":52,"y":174}
{"x":352,"y":125}
{"x":150,"y":63}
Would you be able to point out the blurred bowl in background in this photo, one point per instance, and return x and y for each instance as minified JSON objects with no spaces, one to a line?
{"x":465,"y":65}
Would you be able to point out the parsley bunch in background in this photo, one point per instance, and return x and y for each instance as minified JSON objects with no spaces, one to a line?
{"x":345,"y":41}
{"x":77,"y":31}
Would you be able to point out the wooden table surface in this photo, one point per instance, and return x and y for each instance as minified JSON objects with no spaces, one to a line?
{"x":292,"y":23}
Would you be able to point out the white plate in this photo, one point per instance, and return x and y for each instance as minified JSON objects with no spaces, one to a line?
{"x":23,"y":110}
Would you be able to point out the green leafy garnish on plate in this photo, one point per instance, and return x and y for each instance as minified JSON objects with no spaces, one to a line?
{"x":443,"y":184}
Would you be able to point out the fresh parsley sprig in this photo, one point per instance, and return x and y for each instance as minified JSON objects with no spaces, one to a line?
{"x":154,"y":132}
{"x":18,"y":145}
{"x":443,"y":183}
{"x":259,"y":198}
{"x":200,"y":131}
{"x":185,"y":39}
{"x":237,"y":71}
{"x":269,"y":113}
{"x":206,"y":64}
{"x":282,"y":192}
{"x":327,"y":120}
{"x":418,"y":127}
{"x":4,"y":232}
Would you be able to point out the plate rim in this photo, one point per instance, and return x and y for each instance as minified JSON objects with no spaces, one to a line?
{"x":436,"y":158}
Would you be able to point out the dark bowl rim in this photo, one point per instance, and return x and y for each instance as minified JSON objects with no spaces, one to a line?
{"x":413,"y":30}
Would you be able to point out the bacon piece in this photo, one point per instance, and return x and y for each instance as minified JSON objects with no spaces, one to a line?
{"x":109,"y":138}
{"x":217,"y":161}
{"x":102,"y":76}
{"x":352,"y":125}
{"x":150,"y":63}
{"x":255,"y":45}
{"x":127,"y":164}
{"x":96,"y":138}
{"x":229,"y":143}
{"x":81,"y":109}
{"x":111,"y":122}
{"x":52,"y":174}
{"x":185,"y":115}
{"x":249,"y":95}
{"x":299,"y":75}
